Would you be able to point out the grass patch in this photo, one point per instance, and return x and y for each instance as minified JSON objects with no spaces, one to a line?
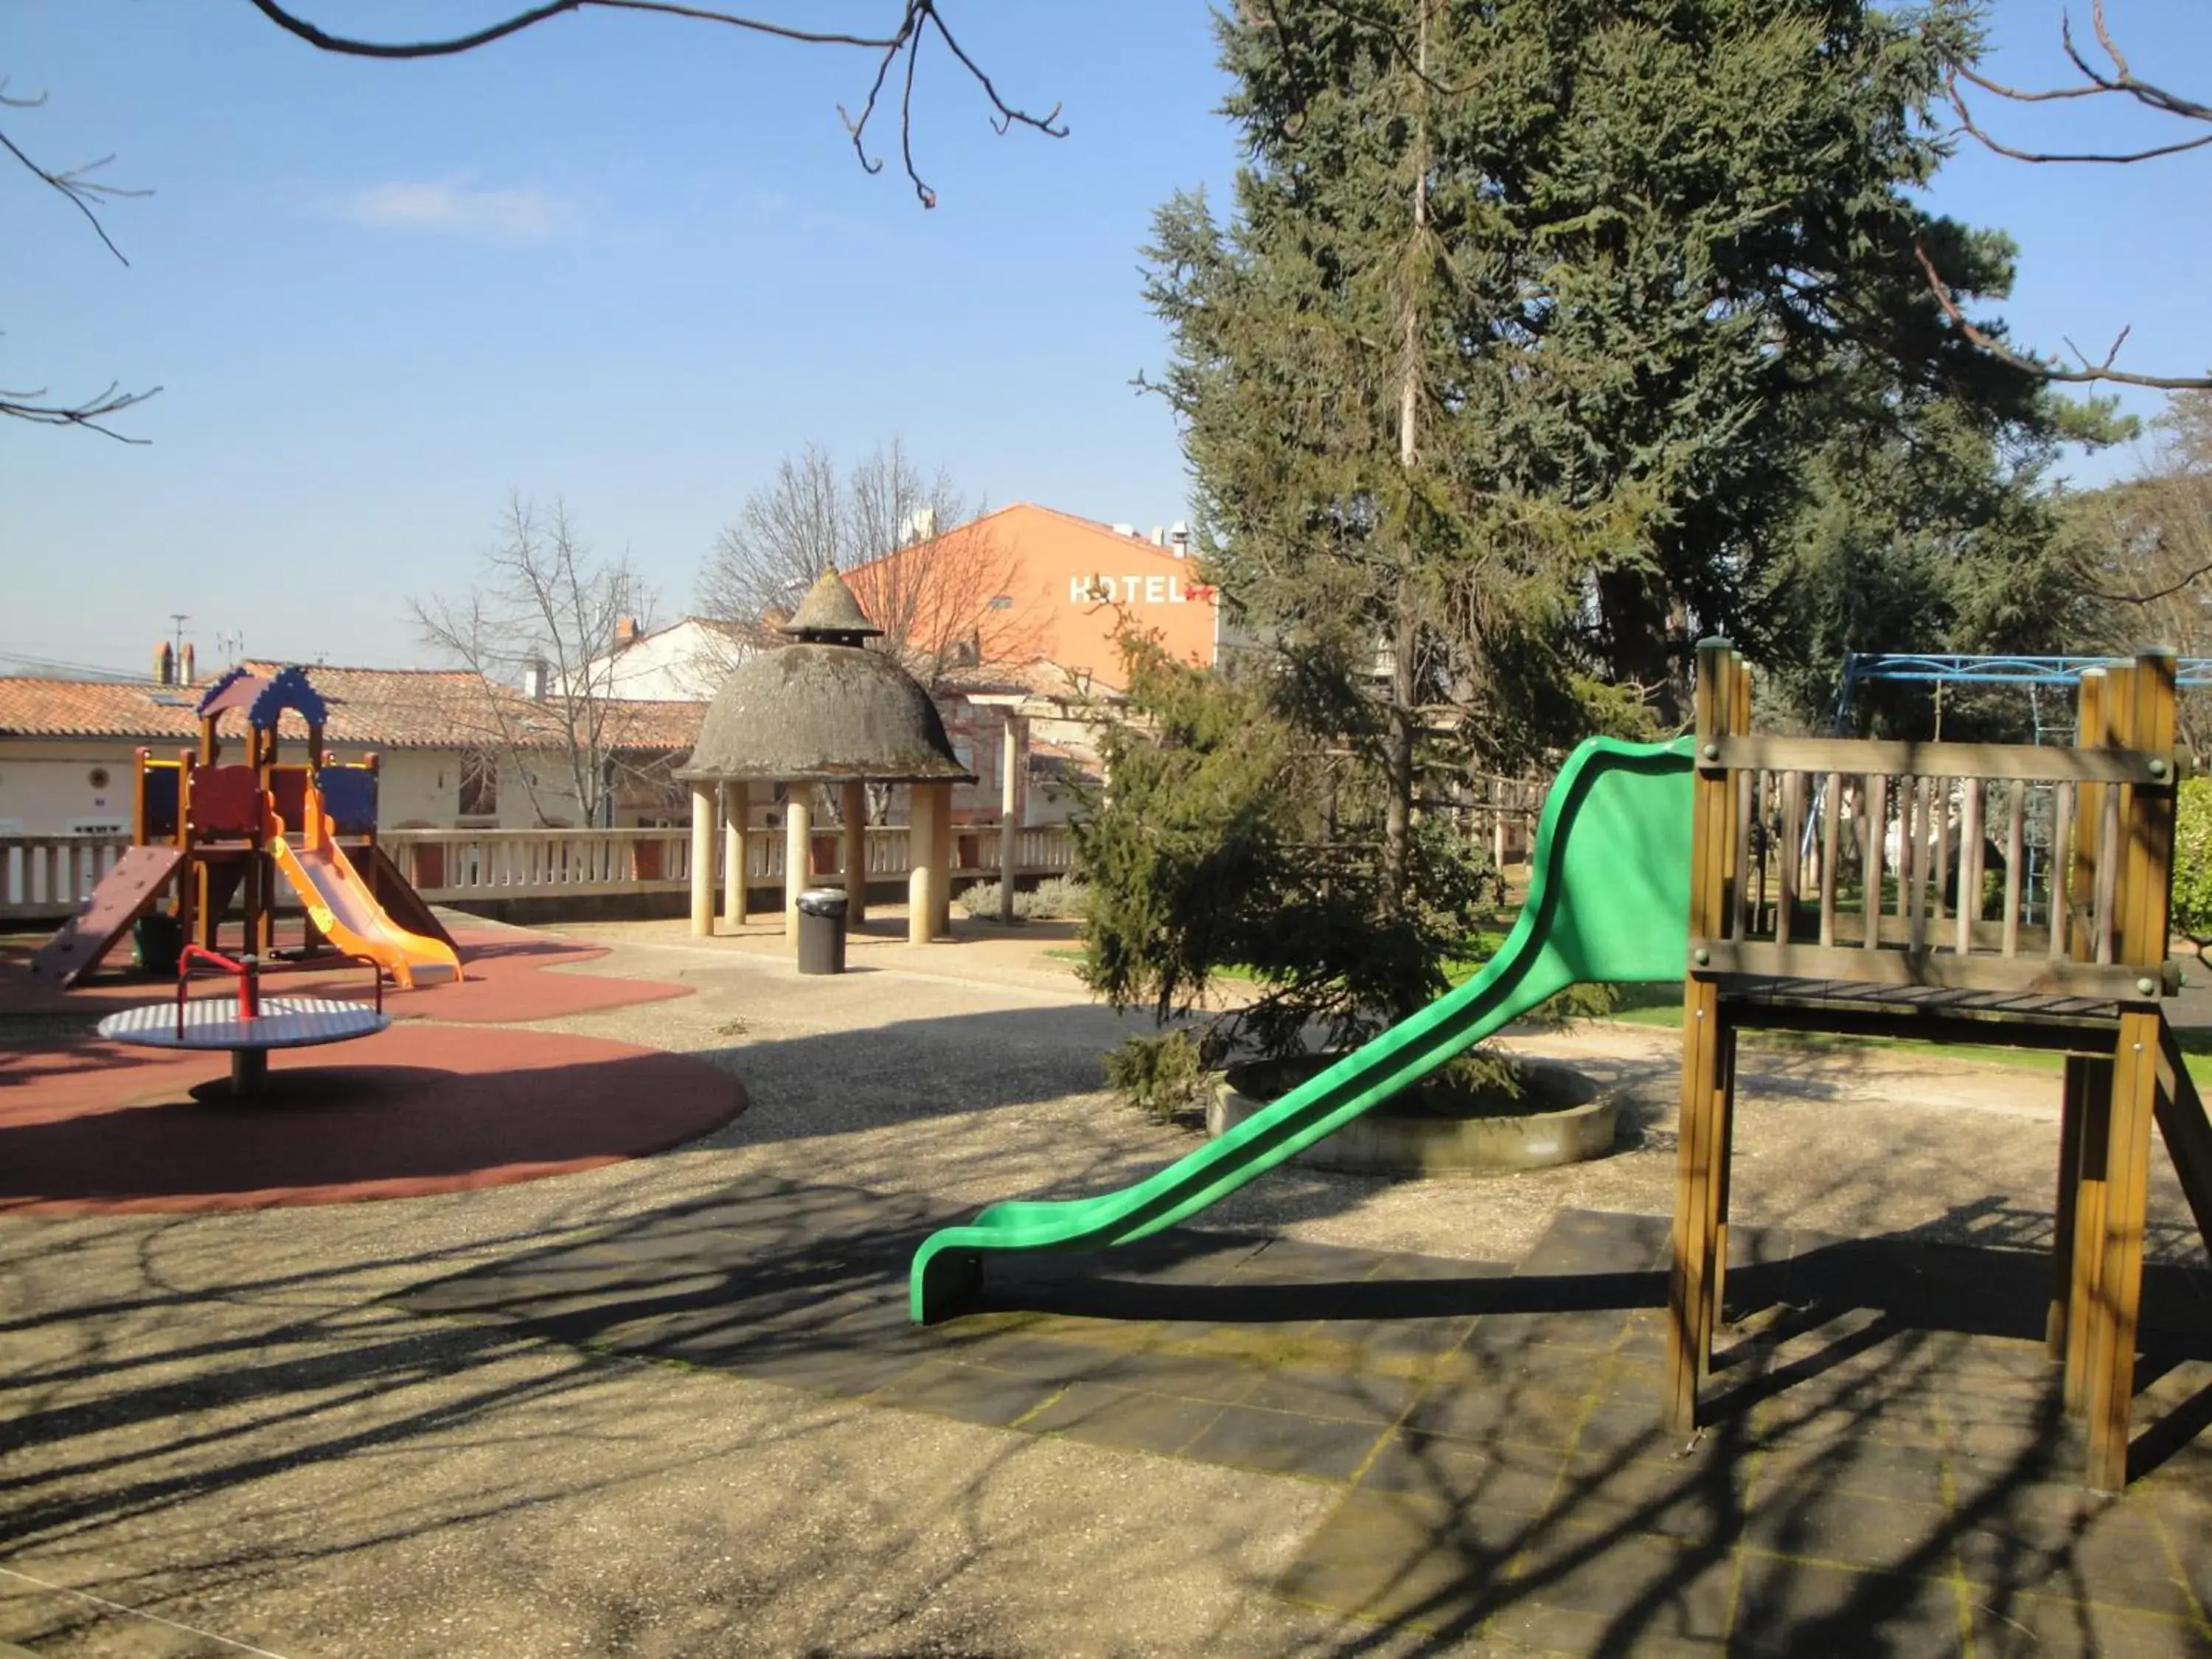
{"x":1659,"y":1007}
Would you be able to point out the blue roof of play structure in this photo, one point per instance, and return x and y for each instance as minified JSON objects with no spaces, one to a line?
{"x":287,"y":688}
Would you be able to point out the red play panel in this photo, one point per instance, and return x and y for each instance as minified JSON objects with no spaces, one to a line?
{"x":421,"y":1108}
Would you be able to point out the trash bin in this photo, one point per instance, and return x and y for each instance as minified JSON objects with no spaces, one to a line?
{"x":821,"y":931}
{"x":156,"y":941}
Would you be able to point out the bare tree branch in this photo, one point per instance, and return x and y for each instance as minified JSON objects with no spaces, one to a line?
{"x":323,"y":40}
{"x":82,"y":192}
{"x":916,"y":18}
{"x":2043,"y":368}
{"x":2121,"y":81}
{"x":1973,"y":130}
{"x":89,"y":414}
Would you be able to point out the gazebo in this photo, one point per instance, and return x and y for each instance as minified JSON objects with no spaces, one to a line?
{"x":823,"y":710}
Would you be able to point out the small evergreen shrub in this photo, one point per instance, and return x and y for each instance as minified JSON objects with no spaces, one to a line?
{"x":1163,"y":1076}
{"x":982,"y":902}
{"x":1058,"y":898}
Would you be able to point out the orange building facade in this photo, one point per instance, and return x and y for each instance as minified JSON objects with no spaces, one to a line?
{"x":1043,"y":585}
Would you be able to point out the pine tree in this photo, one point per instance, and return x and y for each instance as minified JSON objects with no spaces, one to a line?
{"x":1502,"y":380}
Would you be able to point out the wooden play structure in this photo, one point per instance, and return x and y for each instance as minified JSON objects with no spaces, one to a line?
{"x":208,"y":834}
{"x":1854,"y":887}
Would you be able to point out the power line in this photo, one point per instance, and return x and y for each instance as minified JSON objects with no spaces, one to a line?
{"x":93,"y":671}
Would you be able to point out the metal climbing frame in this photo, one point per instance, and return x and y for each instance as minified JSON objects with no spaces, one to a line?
{"x":1861,"y":667}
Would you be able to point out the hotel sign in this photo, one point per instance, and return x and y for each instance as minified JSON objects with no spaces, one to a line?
{"x":1135,"y":590}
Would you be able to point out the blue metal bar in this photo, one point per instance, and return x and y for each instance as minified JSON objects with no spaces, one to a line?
{"x":1967,"y":670}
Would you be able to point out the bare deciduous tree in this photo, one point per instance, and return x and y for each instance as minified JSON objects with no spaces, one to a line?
{"x":921,"y":565}
{"x":787,"y":533}
{"x":538,"y":630}
{"x":2152,"y":537}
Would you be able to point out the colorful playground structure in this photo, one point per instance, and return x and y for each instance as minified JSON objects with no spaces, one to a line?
{"x":1752,"y":869}
{"x":207,"y":835}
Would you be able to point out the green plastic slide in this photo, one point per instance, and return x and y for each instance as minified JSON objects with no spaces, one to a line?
{"x":1608,"y":902}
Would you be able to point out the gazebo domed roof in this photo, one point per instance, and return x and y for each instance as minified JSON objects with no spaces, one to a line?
{"x":817,"y":713}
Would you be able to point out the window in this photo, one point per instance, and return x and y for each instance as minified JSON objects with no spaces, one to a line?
{"x":1002,"y":602}
{"x":479,"y":785}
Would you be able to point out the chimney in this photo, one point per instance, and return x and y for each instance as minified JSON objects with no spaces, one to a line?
{"x":920,"y":526}
{"x":165,"y":665}
{"x":187,"y":671}
{"x":625,"y":633}
{"x":1179,"y":539}
{"x":1124,"y":530}
{"x":535,"y":674}
{"x":1159,"y":536}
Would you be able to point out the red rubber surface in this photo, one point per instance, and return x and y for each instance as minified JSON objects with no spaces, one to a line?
{"x":96,"y":1127}
{"x":503,"y":984}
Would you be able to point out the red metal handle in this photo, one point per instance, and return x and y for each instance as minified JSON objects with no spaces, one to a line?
{"x":247,"y":969}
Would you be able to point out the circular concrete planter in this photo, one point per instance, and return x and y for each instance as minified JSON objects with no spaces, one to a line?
{"x":1381,"y":1143}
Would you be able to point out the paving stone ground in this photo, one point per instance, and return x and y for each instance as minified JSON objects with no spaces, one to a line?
{"x":672,"y":1407}
{"x":1887,"y":1469}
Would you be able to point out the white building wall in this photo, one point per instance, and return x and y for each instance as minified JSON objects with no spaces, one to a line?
{"x":50,"y":789}
{"x":685,"y":663}
{"x":46,"y":787}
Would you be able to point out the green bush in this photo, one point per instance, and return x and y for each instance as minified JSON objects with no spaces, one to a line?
{"x":1237,"y":840}
{"x":1165,"y":1077}
{"x":1056,"y":900}
{"x":1059,"y":898}
{"x":2192,"y":860}
{"x":982,"y":902}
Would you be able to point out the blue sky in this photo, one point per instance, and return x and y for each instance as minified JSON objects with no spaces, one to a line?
{"x":632,"y":262}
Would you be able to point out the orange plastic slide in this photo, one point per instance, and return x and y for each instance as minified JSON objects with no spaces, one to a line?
{"x":346,"y":913}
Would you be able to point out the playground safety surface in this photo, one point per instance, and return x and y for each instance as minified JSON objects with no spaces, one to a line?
{"x":1887,"y":1468}
{"x":672,"y":1406}
{"x":427,"y":1106}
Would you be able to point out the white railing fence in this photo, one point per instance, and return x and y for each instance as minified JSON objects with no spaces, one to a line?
{"x":48,"y":875}
{"x":44,"y":877}
{"x":449,"y":865}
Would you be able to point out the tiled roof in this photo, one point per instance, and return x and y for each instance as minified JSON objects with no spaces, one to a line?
{"x":1040,"y":679}
{"x":369,"y":708}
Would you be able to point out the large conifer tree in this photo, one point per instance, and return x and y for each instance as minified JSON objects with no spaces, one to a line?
{"x":1512,"y":355}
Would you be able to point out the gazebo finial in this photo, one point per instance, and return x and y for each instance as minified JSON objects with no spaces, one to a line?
{"x":830,"y":615}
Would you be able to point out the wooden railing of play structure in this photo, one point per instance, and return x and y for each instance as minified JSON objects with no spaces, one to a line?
{"x":1804,"y":916}
{"x":1971,"y":866}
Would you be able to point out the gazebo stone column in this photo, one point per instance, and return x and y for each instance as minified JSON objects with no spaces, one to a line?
{"x":736,"y":813}
{"x":797,"y":852}
{"x":925,"y":873}
{"x":703,"y":858}
{"x":948,"y":861}
{"x":854,"y":807}
{"x":1009,"y":811}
